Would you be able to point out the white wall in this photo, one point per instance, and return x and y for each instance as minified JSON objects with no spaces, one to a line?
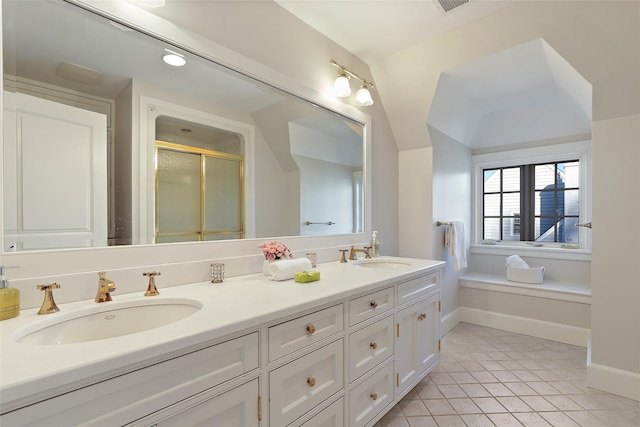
{"x":615,"y":266}
{"x":452,"y":169}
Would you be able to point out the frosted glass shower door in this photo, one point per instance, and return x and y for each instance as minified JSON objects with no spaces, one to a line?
{"x":199,"y":194}
{"x":223,"y":199}
{"x":178,"y":196}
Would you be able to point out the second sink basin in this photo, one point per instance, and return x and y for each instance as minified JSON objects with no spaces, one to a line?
{"x":107,"y":320}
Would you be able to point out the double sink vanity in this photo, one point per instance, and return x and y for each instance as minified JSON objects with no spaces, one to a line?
{"x":246,"y":352}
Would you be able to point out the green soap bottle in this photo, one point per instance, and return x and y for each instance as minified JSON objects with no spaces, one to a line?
{"x":9,"y":298}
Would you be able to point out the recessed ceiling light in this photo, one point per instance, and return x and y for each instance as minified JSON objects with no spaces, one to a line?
{"x":173,"y":58}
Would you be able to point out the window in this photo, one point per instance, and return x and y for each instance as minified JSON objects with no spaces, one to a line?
{"x":533,"y":196}
{"x":532,"y":202}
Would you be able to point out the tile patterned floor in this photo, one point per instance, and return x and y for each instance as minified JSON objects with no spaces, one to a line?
{"x":489,"y":377}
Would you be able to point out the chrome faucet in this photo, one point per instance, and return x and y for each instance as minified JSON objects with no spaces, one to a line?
{"x":354,"y":251}
{"x":105,"y":287}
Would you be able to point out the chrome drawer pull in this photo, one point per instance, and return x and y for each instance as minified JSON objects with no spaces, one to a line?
{"x":311,"y":381}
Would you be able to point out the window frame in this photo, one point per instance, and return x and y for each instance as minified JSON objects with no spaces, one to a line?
{"x":580,"y":151}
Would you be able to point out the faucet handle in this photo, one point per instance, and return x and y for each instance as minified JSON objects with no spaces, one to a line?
{"x":367,"y":252}
{"x":151,"y":289}
{"x":48,"y":305}
{"x":344,"y":255}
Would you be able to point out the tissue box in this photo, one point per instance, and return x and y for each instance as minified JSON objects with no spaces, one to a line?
{"x":532,"y":275}
{"x":306,"y":276}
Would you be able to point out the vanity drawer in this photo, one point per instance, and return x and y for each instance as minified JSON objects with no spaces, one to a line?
{"x":368,"y":306}
{"x":333,"y":416}
{"x":298,"y":333}
{"x":418,"y":287}
{"x":370,"y":346}
{"x":372,"y":396}
{"x":299,"y":386}
{"x":128,"y":397}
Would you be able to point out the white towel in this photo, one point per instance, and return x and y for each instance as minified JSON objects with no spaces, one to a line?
{"x":516,"y":261}
{"x":286,"y":269}
{"x":454,"y":240}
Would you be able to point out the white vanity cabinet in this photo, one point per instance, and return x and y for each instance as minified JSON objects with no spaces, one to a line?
{"x":344,"y":361}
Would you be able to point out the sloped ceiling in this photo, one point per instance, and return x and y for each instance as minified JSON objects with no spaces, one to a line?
{"x":525,"y":93}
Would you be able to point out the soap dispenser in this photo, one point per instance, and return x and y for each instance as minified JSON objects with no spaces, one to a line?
{"x":375,"y":244}
{"x":9,"y":298}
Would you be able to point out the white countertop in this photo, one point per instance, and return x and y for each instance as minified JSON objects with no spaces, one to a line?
{"x":29,"y":373}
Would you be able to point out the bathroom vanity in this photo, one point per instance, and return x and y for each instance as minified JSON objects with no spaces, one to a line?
{"x":338,"y":352}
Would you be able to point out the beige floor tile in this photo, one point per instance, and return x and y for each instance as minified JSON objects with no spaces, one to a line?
{"x":531,"y":419}
{"x":489,"y":377}
{"x":520,"y":389}
{"x":504,"y":420}
{"x":451,"y":391}
{"x":439,"y":407}
{"x":476,"y":420}
{"x":558,"y":419}
{"x":538,"y":403}
{"x":489,"y":405}
{"x":475,"y":390}
{"x":514,"y":404}
{"x":498,"y":389}
{"x":427,"y":421}
{"x":464,"y":406}
{"x":412,"y":408}
{"x":449,"y":421}
{"x":429,"y":392}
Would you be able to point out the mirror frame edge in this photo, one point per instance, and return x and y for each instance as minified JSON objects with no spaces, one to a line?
{"x":69,"y":261}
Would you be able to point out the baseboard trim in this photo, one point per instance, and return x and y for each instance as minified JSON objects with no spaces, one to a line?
{"x":537,"y":328}
{"x":613,"y":380}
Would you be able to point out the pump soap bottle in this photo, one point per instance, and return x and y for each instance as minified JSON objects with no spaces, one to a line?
{"x":375,"y":244}
{"x":9,"y":298}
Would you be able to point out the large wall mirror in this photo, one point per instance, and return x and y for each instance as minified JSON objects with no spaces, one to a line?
{"x":107,"y":145}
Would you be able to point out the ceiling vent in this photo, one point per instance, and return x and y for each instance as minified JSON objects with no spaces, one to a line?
{"x":449,"y":5}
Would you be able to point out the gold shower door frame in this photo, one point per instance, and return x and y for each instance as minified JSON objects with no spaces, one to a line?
{"x":202,"y":233}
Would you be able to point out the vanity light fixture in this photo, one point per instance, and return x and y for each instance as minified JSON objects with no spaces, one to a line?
{"x":342,"y":88}
{"x":173,"y":58}
{"x":363,"y":96}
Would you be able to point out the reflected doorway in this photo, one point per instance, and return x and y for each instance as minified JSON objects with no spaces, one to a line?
{"x":199,"y":183}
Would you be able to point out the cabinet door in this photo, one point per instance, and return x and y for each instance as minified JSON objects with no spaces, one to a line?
{"x":428,"y":333}
{"x":237,"y":407}
{"x":417,"y":337}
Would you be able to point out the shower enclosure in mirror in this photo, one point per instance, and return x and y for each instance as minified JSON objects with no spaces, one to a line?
{"x":95,"y":121}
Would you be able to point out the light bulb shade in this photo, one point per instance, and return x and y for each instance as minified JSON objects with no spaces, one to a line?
{"x":341,"y":87}
{"x":363,"y":97}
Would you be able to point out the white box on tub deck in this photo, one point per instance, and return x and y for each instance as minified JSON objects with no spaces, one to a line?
{"x":531,"y":275}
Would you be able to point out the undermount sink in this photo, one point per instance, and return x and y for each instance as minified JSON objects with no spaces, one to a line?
{"x":107,"y":320}
{"x":382,"y":263}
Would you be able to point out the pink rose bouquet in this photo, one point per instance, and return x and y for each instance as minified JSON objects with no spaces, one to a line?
{"x":275,"y":250}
